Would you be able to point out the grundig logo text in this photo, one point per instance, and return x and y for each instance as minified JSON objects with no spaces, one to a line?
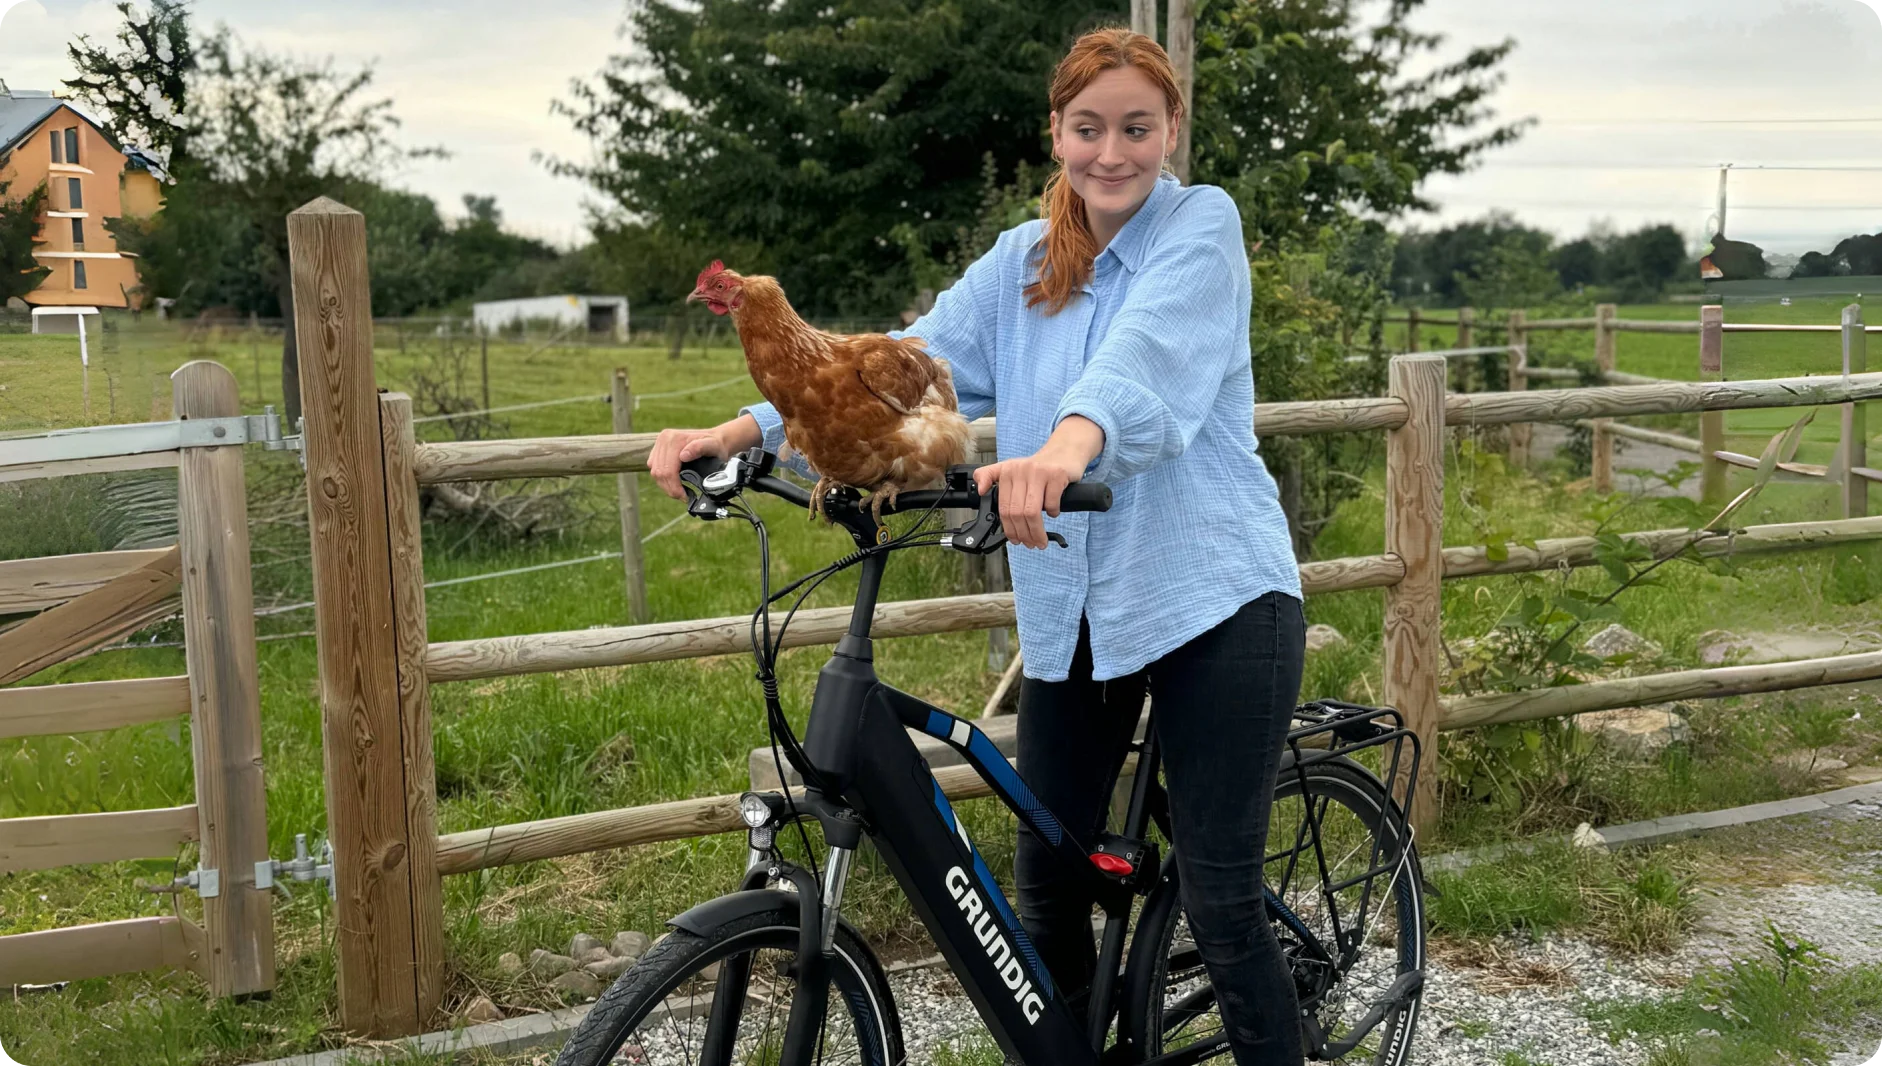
{"x":987,"y":930}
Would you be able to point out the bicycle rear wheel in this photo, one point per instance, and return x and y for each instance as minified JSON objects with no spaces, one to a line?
{"x":1350,"y":925}
{"x":661,"y":1012}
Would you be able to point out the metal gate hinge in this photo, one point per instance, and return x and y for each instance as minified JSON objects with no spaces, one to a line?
{"x":301,"y":867}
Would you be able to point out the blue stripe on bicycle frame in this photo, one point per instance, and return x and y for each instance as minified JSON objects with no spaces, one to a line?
{"x":1038,"y":816}
{"x":997,"y":899}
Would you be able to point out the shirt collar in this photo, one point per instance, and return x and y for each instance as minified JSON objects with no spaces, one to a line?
{"x":1128,"y":244}
{"x":1127,"y":247}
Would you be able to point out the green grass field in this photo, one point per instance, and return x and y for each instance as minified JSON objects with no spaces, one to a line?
{"x":550,"y":745}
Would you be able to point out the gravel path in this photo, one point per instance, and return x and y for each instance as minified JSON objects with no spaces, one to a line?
{"x":1531,"y":998}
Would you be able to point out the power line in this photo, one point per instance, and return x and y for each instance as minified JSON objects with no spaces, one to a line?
{"x":1673,"y":121}
{"x":1583,"y":164}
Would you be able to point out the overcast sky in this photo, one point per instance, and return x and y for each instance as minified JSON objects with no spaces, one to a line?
{"x":1638,"y":101}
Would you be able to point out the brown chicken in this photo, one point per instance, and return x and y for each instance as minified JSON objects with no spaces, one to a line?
{"x":865,"y":410}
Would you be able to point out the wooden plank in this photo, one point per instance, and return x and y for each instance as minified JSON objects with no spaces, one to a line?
{"x":496,"y":460}
{"x":1180,"y":41}
{"x":90,"y":706}
{"x":48,"y":842}
{"x":1555,"y":553}
{"x":1855,"y":420}
{"x":1632,"y":325}
{"x":1465,"y":712}
{"x":36,"y":584}
{"x":102,"y":950}
{"x":104,"y":464}
{"x":1712,"y":479}
{"x":1563,"y":324}
{"x":1798,"y":471}
{"x":405,"y":525}
{"x":468,"y":660}
{"x":627,"y":487}
{"x":1621,"y":377}
{"x":354,"y":622}
{"x":1868,"y":472}
{"x":114,"y":609}
{"x":1414,"y":532}
{"x":1519,"y":433}
{"x":1601,"y":463}
{"x":551,"y":838}
{"x":1669,"y":397}
{"x":1649,"y":436}
{"x":219,"y":646}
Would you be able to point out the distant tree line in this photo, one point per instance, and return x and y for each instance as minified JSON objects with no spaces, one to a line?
{"x":1497,"y":261}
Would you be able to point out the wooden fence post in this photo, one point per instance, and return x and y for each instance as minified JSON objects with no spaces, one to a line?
{"x":1855,"y":418}
{"x":1712,"y":486}
{"x":406,"y":539}
{"x":1414,"y":531}
{"x":225,"y":696}
{"x":1602,"y":461}
{"x":1180,"y":43}
{"x":1466,"y":335}
{"x":621,"y":402}
{"x":1518,"y":382}
{"x":377,"y":934}
{"x":1411,"y":329}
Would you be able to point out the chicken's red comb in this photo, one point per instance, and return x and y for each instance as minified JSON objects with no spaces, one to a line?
{"x":707,"y":274}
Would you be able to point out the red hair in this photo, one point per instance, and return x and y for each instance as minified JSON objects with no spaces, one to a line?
{"x":1070,"y":247}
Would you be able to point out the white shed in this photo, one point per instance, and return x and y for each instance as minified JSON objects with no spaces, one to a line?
{"x":594,"y":314}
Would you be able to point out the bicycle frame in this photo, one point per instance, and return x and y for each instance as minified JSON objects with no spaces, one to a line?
{"x":857,"y":739}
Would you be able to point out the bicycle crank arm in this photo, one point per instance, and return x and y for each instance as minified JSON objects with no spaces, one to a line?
{"x":1407,"y":986}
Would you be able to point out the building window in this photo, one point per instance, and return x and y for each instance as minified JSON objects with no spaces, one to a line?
{"x":71,"y":146}
{"x":75,"y":199}
{"x":78,"y":234}
{"x":78,"y":271}
{"x":58,"y":147}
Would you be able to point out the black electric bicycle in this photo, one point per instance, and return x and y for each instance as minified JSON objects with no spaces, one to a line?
{"x":772,"y":975}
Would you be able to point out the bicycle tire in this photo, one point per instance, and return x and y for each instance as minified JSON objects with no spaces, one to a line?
{"x":675,"y":968}
{"x":1147,"y":1022}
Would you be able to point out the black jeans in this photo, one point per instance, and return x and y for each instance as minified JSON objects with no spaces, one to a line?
{"x":1222,"y":712}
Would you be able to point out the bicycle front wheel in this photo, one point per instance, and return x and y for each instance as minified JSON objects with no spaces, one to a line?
{"x":670,"y":1008}
{"x":1350,"y":921}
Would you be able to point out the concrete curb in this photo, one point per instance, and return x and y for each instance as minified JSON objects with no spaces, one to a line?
{"x":510,"y":1034}
{"x":540,"y":1030}
{"x":1661,"y":830}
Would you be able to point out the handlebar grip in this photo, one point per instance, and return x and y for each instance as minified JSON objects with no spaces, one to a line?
{"x":1085,"y":496}
{"x":704,"y":465}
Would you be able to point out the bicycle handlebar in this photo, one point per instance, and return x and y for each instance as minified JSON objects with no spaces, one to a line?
{"x":716,"y":479}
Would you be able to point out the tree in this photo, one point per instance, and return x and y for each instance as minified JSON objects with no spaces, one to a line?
{"x":141,"y":90}
{"x":20,"y":273}
{"x":251,"y":137}
{"x":1441,"y":264}
{"x":1643,"y":262}
{"x":1305,"y":110}
{"x":811,"y":131}
{"x":1579,"y":262}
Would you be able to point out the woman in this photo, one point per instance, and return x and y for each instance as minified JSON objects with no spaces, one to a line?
{"x":1113,"y":334}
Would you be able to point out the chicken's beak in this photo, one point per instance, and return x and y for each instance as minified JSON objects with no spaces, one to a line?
{"x":695,"y":297}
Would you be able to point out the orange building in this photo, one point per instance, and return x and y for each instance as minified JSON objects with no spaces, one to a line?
{"x":89,"y":178}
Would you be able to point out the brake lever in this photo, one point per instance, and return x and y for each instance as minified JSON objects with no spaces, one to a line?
{"x":984,"y":534}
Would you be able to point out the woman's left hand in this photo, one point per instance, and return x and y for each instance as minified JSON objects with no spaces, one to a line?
{"x":1030,"y":488}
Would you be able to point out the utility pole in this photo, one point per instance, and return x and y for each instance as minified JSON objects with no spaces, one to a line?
{"x":1725,"y":170}
{"x":1144,"y":17}
{"x":1182,"y":48}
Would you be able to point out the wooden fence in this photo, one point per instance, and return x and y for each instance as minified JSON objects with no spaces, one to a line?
{"x":76,"y":603}
{"x":377,"y":664}
{"x":1849,"y":472}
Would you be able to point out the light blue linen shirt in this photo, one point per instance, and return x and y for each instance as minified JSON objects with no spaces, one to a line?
{"x":1155,"y":351}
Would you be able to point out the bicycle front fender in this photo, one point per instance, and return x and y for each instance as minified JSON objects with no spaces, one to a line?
{"x":709,"y":917}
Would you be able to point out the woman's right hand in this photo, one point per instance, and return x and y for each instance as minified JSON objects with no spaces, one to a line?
{"x":675,"y":446}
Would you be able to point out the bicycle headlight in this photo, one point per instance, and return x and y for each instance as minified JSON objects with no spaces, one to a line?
{"x":754,"y":810}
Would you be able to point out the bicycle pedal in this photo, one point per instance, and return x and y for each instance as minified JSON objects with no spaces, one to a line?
{"x":1132,"y":863}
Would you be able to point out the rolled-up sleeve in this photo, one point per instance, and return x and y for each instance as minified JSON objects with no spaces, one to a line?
{"x":1183,"y":327}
